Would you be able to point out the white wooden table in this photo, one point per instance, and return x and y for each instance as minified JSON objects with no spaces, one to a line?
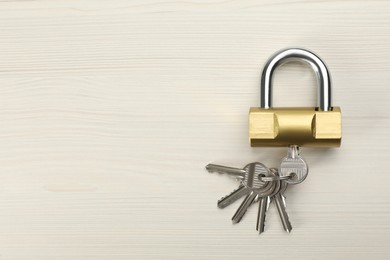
{"x":110,"y":110}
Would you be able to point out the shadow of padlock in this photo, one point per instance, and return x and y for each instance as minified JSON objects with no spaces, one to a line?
{"x":303,"y":126}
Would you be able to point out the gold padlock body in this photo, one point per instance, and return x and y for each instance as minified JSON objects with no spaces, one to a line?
{"x":276,"y":127}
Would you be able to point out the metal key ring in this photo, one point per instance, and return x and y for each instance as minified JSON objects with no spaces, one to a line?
{"x":276,"y":178}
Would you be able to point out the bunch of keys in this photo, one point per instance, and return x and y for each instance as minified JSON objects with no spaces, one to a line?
{"x":277,"y":127}
{"x":263,"y":185}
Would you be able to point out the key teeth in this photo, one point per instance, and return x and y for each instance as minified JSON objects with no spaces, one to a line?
{"x":229,"y":194}
{"x":260,"y":229}
{"x":221,"y":199}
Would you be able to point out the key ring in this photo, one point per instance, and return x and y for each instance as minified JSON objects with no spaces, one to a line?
{"x":277,"y":178}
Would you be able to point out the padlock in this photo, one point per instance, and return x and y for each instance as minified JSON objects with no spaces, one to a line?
{"x":304,"y":126}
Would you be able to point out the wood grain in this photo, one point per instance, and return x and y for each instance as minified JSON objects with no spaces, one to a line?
{"x":110,"y":110}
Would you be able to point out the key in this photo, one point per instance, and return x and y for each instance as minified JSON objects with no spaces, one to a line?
{"x":258,"y":188}
{"x":247,"y":178}
{"x":245,"y":175}
{"x":281,"y":206}
{"x":234,"y":196}
{"x":241,"y":174}
{"x":251,"y":186}
{"x":237,"y":172}
{"x":249,"y":199}
{"x":293,"y":165}
{"x":264,"y":203}
{"x":263,"y":208}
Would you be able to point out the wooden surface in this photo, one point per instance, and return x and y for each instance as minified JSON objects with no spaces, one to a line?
{"x":110,"y":110}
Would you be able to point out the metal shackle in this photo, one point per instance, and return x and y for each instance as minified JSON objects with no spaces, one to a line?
{"x":288,"y":55}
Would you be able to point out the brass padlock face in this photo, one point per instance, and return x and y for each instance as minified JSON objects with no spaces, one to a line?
{"x":276,"y":127}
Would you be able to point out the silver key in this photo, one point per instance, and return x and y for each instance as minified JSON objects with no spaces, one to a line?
{"x":234,"y":196}
{"x":280,"y":202}
{"x":263,"y":208}
{"x":258,"y":188}
{"x":249,"y":199}
{"x":293,"y":165}
{"x":246,"y":176}
{"x":264,"y":203}
{"x":236,"y":172}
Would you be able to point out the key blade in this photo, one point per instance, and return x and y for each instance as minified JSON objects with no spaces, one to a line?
{"x":265,"y":200}
{"x":233,"y":197}
{"x":282,"y":213}
{"x":263,"y":206}
{"x":283,"y":200}
{"x":225,"y":170}
{"x":243,"y":207}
